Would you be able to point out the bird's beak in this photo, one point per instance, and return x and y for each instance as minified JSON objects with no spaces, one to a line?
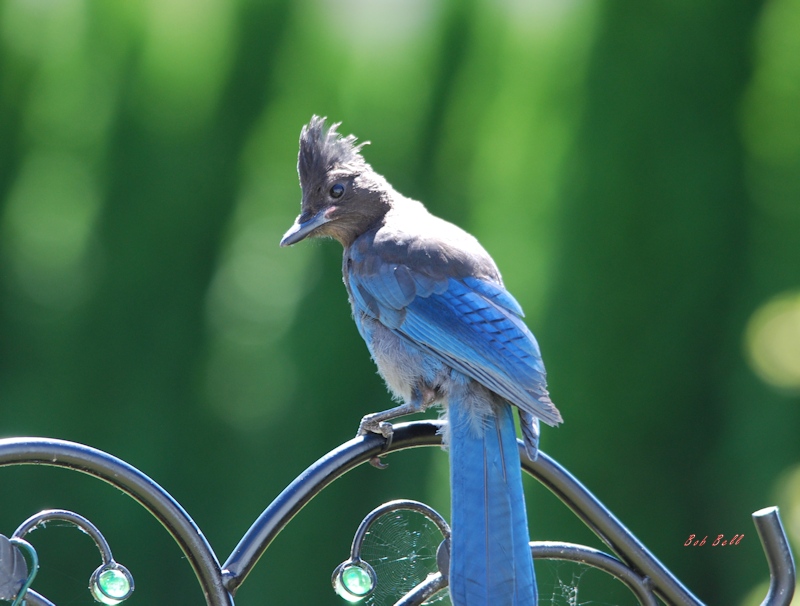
{"x":303,"y":226}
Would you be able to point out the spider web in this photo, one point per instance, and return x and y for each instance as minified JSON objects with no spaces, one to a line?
{"x":572,"y":584}
{"x":401,"y":548}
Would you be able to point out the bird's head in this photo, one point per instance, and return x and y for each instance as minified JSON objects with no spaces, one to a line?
{"x":342,"y":195}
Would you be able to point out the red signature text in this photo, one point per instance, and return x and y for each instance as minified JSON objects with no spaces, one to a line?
{"x":720,"y":541}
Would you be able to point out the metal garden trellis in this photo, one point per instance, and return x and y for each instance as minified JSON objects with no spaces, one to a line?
{"x":632,"y":563}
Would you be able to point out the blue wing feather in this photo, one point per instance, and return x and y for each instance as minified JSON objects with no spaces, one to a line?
{"x":472,"y":325}
{"x":500,"y":296}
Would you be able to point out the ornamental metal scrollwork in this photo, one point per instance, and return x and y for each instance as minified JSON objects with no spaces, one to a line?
{"x":111,"y":583}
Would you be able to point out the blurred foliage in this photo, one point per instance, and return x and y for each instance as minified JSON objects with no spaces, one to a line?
{"x":633,"y":168}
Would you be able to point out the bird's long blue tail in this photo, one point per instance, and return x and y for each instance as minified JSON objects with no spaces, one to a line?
{"x":490,"y":558}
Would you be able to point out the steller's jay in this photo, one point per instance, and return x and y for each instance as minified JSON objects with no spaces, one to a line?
{"x":431,"y":306}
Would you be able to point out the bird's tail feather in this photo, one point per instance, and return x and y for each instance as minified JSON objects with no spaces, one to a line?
{"x":490,"y":559}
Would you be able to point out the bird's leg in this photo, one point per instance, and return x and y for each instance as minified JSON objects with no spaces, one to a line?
{"x":378,"y":422}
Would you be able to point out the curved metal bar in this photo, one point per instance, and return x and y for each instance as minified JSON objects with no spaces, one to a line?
{"x":425,"y":433}
{"x":607,"y":527}
{"x":639,"y":586}
{"x":397,"y":505}
{"x":219,"y":585}
{"x":60,"y":453}
{"x":308,"y":484}
{"x":551,"y":550}
{"x":782,"y":575}
{"x":73,"y":518}
{"x":36,"y":599}
{"x":424,"y":591}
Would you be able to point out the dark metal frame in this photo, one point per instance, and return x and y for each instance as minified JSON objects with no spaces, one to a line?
{"x":634,"y":565}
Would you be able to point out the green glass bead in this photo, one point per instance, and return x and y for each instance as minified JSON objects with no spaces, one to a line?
{"x":357,"y":580}
{"x":354,"y":583}
{"x":111,"y":586}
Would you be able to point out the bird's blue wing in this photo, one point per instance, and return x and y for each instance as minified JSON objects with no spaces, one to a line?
{"x":472,"y":325}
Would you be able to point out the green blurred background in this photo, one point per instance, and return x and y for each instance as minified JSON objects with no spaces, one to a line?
{"x":634,"y":169}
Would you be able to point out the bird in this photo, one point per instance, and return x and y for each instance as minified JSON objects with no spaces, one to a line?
{"x":430,"y":304}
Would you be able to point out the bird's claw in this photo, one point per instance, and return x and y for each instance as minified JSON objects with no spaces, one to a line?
{"x":377,"y":463}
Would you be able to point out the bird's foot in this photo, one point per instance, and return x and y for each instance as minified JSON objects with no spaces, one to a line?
{"x":377,"y":422}
{"x":374,"y":424}
{"x":371,"y":424}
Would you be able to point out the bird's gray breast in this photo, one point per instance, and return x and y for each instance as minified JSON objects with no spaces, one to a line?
{"x":402,"y":365}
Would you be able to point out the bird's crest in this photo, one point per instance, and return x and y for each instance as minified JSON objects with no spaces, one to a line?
{"x":322,"y":149}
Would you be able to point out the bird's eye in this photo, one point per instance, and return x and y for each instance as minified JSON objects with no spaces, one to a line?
{"x":337,"y":190}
